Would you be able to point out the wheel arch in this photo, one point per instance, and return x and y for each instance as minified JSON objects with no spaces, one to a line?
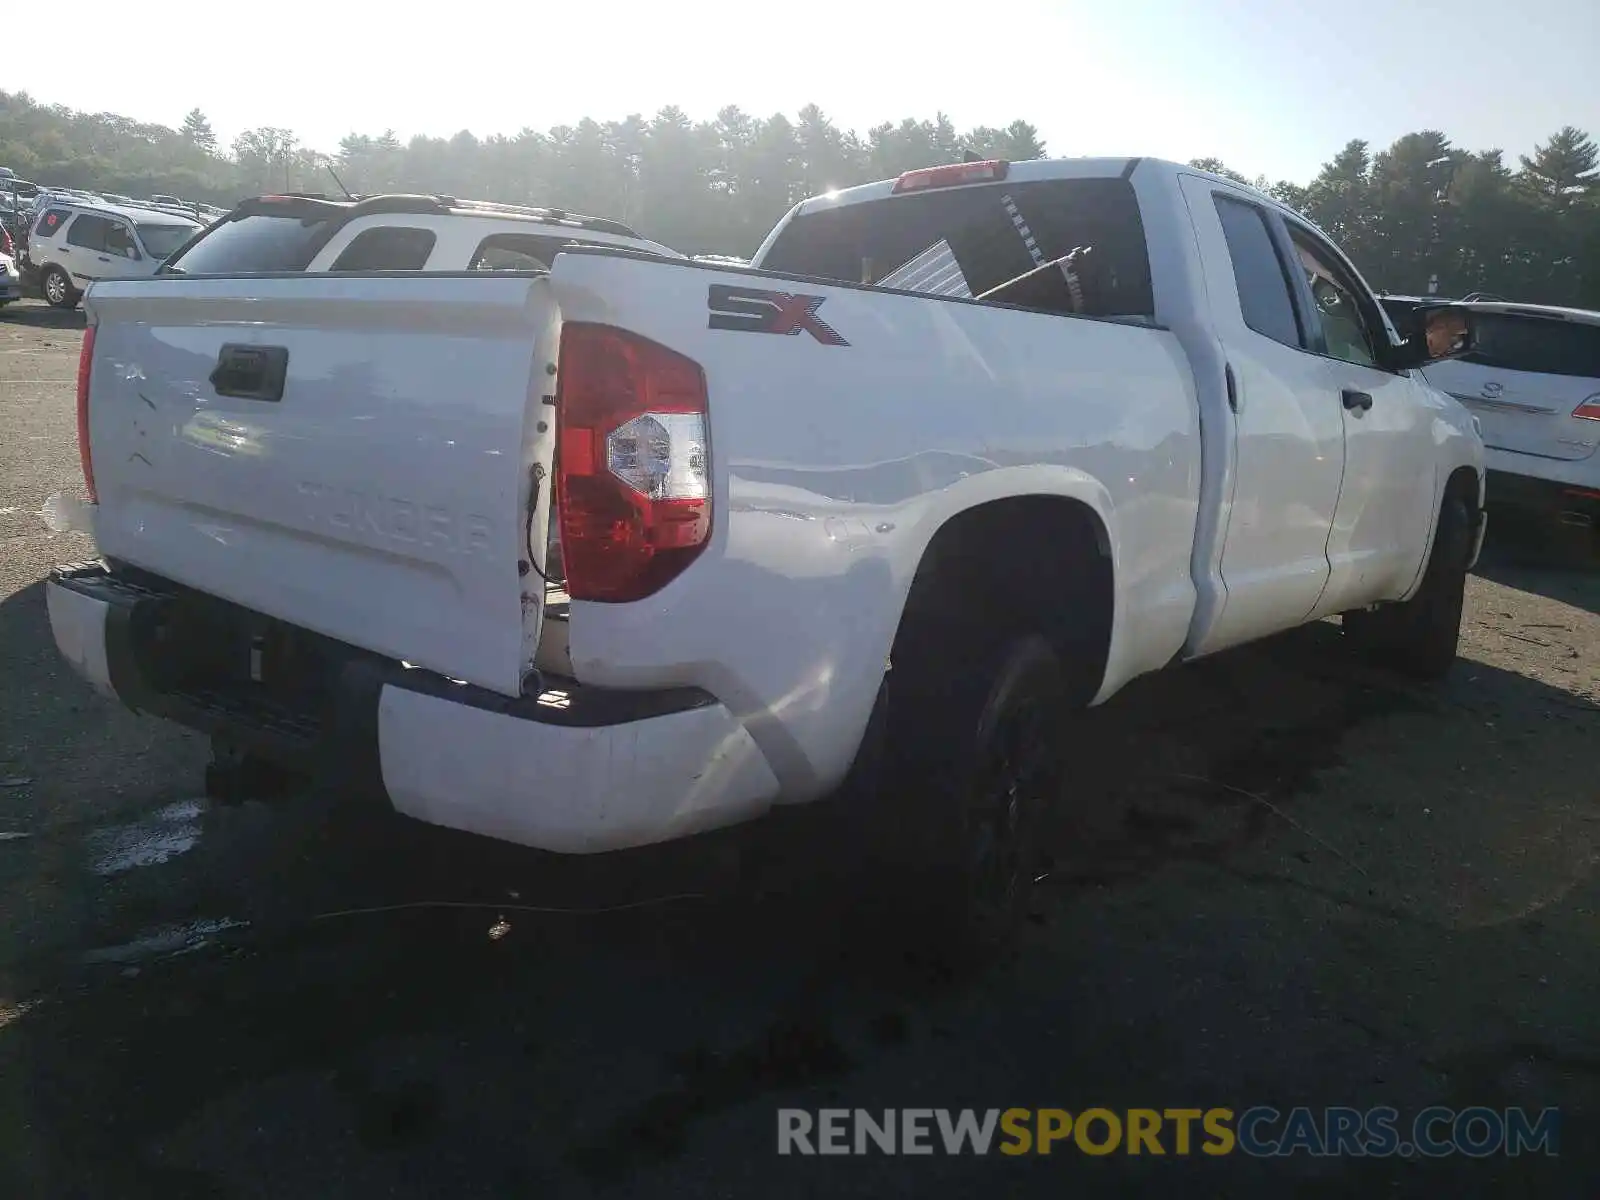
{"x":1463,"y":479}
{"x":1023,"y":556}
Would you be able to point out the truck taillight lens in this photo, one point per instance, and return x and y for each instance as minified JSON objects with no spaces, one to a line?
{"x":1589,"y":410}
{"x":633,"y":472}
{"x":85,"y":357}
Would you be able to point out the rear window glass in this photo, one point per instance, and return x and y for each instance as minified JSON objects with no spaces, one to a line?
{"x":255,"y":243}
{"x":966,"y":241}
{"x":1541,"y":345}
{"x":50,"y":222}
{"x":386,"y":248}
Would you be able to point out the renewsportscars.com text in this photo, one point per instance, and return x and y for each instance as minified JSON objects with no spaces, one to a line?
{"x":1260,"y":1132}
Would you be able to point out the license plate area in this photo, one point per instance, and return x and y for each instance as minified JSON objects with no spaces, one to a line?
{"x":196,"y":644}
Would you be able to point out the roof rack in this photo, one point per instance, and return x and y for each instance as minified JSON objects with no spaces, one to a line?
{"x":166,"y":210}
{"x":403,"y":202}
{"x":555,"y":216}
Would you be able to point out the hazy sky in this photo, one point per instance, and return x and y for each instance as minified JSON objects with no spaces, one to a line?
{"x":1268,"y":86}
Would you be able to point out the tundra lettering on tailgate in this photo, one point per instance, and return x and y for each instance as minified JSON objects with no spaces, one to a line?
{"x":753,"y":310}
{"x":391,"y":520}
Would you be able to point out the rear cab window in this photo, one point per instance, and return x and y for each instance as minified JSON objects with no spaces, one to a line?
{"x":1537,"y":344}
{"x":387,"y":248}
{"x":965,"y":241}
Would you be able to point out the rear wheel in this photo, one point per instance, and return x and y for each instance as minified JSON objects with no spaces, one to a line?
{"x":1418,"y":637}
{"x":971,"y":764}
{"x":58,"y":289}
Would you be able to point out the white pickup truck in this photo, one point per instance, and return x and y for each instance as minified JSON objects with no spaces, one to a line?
{"x":956,"y":453}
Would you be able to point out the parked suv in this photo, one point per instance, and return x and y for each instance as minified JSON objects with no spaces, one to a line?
{"x":10,"y":277}
{"x":75,"y":243}
{"x":1533,"y":382}
{"x":393,"y":233}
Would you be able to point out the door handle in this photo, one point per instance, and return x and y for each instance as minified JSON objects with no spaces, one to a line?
{"x":1356,"y":401}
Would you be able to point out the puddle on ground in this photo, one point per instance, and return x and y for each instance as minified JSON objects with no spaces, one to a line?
{"x":165,"y":941}
{"x":147,"y":842}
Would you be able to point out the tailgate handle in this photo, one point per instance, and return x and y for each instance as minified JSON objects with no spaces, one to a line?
{"x":251,"y":372}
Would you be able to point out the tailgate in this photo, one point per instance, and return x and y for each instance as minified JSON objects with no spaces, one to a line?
{"x":363,"y":456}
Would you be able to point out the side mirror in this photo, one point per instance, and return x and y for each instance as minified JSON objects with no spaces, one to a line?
{"x":1437,"y":332}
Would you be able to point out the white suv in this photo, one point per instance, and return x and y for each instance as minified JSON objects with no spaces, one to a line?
{"x":393,"y":233}
{"x":1533,"y":382}
{"x":74,"y":243}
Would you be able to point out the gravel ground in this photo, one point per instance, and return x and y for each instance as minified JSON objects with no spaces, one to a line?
{"x":1280,"y":879}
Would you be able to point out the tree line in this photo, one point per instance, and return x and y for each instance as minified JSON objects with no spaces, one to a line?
{"x":1420,"y":214}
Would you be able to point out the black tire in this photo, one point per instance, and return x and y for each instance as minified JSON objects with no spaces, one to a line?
{"x":971,"y":763}
{"x":1418,"y":637}
{"x":57,"y":288}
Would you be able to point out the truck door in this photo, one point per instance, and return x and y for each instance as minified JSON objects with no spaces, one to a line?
{"x":1386,"y":495}
{"x":1288,"y":426}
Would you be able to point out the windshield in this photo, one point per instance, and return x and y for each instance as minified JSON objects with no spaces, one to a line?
{"x":161,"y":240}
{"x":251,"y":244}
{"x":963,"y":242}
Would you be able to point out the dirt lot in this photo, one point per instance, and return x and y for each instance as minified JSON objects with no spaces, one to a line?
{"x":1281,"y":879}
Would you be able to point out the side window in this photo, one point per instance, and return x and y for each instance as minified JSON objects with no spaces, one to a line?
{"x":88,"y":232}
{"x":1349,"y":331}
{"x":119,"y":240}
{"x":516,"y":252}
{"x":387,"y":248}
{"x":1265,"y":298}
{"x":50,"y":222}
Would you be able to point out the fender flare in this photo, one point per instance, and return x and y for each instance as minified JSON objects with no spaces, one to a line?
{"x":1001,"y":484}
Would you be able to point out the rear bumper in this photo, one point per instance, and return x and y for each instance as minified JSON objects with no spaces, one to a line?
{"x":1569,"y":501}
{"x":575,"y":770}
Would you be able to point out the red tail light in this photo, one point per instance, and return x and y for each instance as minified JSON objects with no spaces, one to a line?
{"x":1589,"y":410}
{"x":85,"y":356}
{"x":633,"y":479}
{"x":5,"y":241}
{"x":953,"y":175}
